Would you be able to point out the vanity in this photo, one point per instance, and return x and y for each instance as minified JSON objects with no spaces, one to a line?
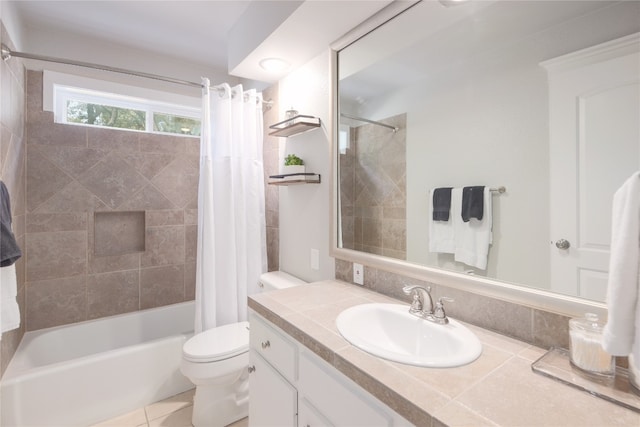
{"x":304,"y":374}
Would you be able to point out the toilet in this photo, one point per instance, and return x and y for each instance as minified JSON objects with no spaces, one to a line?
{"x":216,"y":362}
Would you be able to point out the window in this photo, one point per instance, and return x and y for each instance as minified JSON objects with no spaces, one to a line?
{"x":93,"y":108}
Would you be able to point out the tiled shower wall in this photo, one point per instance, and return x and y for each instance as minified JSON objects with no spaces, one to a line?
{"x":76,"y":174}
{"x":112,"y":217}
{"x":12,"y":173}
{"x":373,"y":194}
{"x":271,"y":167}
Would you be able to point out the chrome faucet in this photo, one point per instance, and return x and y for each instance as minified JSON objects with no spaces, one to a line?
{"x":422,"y":305}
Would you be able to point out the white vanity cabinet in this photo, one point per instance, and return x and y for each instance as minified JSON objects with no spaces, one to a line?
{"x":273,"y":399}
{"x":291,"y":386}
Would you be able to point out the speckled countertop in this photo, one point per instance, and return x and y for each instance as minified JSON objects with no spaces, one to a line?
{"x":499,"y":388}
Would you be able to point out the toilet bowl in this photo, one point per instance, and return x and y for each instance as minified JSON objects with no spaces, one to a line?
{"x":216,"y":362}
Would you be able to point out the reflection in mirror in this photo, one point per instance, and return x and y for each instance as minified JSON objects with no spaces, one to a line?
{"x":539,"y":97}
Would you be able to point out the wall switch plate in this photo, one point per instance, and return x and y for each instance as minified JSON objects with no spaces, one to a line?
{"x":315,"y":259}
{"x":358,"y":274}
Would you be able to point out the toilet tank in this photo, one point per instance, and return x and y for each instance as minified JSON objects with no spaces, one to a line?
{"x":278,"y":280}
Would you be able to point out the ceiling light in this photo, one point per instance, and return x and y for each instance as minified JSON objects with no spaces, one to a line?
{"x":274,"y":65}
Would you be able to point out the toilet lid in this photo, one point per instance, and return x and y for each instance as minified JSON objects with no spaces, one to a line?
{"x":218,"y":343}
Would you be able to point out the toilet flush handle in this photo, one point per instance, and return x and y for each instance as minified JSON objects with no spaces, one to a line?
{"x":266,"y":344}
{"x":252,"y":369}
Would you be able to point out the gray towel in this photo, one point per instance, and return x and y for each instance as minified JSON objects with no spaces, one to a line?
{"x":472,"y":203}
{"x":441,"y":203}
{"x":9,"y":250}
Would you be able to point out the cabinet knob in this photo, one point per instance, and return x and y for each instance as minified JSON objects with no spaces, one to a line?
{"x":252,"y":369}
{"x":266,"y":344}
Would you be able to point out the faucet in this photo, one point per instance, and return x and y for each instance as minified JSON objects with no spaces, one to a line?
{"x":422,"y":305}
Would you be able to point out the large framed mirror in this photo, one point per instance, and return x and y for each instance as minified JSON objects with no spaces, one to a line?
{"x":536,"y":101}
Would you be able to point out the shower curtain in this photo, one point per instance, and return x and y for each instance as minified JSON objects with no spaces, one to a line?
{"x":231,"y":222}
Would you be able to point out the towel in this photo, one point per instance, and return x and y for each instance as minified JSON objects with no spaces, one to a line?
{"x":621,"y":335}
{"x":441,"y":233}
{"x":441,"y":199}
{"x":9,"y":249}
{"x":472,"y":203}
{"x":474,"y":236}
{"x":9,"y":309}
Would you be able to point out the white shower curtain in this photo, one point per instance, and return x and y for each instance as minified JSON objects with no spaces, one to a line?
{"x":231,"y":221}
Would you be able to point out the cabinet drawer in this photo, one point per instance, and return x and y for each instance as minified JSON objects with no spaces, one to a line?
{"x":335,"y":396}
{"x":271,"y":344}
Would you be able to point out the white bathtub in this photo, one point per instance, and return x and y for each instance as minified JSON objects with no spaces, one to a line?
{"x":80,"y":374}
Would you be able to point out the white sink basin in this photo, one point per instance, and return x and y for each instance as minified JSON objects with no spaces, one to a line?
{"x":390,"y":332}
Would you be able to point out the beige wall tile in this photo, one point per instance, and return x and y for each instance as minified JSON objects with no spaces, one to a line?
{"x":113,"y":180}
{"x":112,"y":139}
{"x":56,"y":134}
{"x":44,"y":179}
{"x":74,"y":161}
{"x":72,"y":198}
{"x":161,"y":286}
{"x":165,"y":217}
{"x":165,"y":246}
{"x":56,"y":254}
{"x":56,"y":302}
{"x":178,"y":182}
{"x":74,"y":221}
{"x":112,"y":293}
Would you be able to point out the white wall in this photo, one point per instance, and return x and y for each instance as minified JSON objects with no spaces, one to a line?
{"x":305,"y":209}
{"x":68,"y":46}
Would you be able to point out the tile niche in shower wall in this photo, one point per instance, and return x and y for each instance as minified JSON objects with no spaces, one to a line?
{"x":141,"y":187}
{"x":118,"y":233}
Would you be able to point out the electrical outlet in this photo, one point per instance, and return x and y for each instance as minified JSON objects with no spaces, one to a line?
{"x":358,"y":274}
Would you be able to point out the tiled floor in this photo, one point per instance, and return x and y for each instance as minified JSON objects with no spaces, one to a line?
{"x":172,"y":412}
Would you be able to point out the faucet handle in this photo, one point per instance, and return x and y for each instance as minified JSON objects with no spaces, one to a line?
{"x":420,"y":297}
{"x":438,"y":313}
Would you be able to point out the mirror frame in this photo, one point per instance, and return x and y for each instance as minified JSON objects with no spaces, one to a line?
{"x":519,"y":294}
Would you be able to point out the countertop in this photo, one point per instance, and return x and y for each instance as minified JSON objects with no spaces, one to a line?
{"x":499,"y":388}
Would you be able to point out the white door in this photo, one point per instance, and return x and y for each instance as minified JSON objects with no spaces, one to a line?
{"x":594,"y":110}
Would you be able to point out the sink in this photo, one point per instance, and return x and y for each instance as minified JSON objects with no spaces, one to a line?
{"x":389,"y":331}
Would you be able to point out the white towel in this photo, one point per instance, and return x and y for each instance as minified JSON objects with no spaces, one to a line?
{"x":441,"y":233}
{"x":9,"y":310}
{"x":472,"y":239}
{"x":622,"y":331}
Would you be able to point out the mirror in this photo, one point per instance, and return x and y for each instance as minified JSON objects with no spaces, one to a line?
{"x":539,"y":98}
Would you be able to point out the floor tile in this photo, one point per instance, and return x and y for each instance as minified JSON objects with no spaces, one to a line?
{"x":131,"y":419}
{"x":167,"y":406}
{"x":179,"y":418}
{"x":240,"y":423}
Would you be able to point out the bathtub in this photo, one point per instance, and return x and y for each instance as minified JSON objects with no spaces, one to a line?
{"x":80,"y":374}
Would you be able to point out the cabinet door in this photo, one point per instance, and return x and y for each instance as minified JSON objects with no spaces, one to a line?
{"x":273,"y":401}
{"x":308,"y":416}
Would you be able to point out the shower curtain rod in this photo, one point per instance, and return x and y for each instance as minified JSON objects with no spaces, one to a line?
{"x":373,"y":122}
{"x":8,"y":53}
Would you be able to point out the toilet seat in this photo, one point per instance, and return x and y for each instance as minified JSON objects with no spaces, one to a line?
{"x":218,"y":343}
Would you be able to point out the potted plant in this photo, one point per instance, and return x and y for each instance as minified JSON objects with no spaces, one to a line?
{"x":293,"y":165}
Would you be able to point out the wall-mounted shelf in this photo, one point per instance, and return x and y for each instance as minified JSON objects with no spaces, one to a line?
{"x":295,"y":125}
{"x":295,"y":179}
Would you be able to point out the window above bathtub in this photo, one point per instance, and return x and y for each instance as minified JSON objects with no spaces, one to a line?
{"x":82,"y":101}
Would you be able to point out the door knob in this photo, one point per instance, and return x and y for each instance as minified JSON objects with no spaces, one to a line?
{"x":563,"y":244}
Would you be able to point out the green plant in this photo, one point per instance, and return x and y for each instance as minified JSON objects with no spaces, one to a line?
{"x":293,"y":160}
